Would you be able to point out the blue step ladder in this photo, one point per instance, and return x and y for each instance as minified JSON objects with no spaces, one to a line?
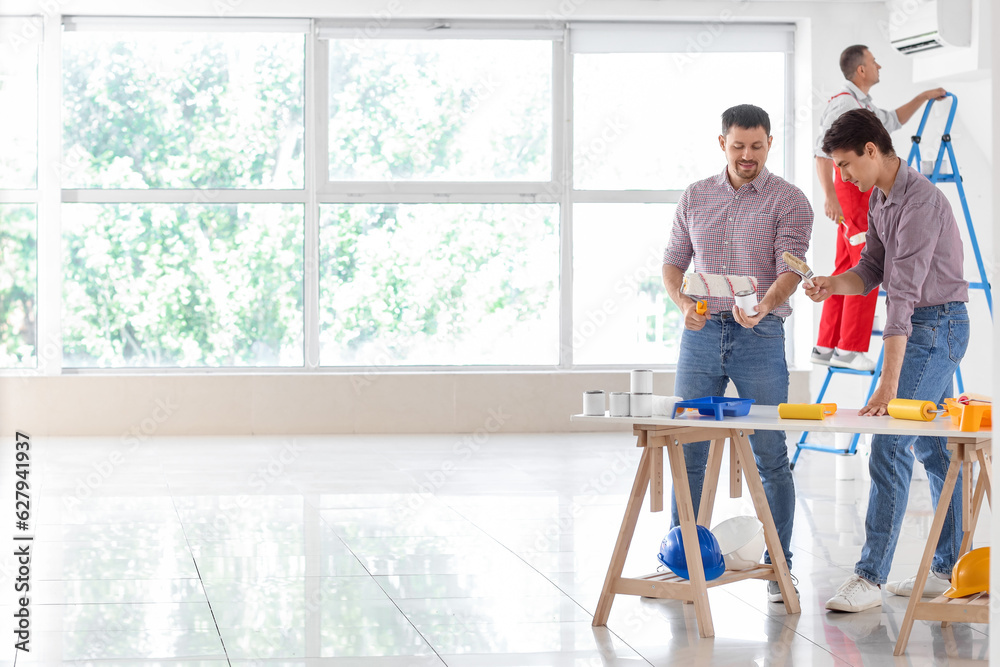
{"x":936,"y":176}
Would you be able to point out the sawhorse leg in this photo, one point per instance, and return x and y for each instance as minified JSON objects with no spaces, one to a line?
{"x":624,"y":537}
{"x":740,"y":440}
{"x":963,"y":454}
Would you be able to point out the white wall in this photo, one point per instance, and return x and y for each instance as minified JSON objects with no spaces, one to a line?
{"x":461,"y":402}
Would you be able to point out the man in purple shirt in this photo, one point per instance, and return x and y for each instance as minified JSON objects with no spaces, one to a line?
{"x":913,"y":248}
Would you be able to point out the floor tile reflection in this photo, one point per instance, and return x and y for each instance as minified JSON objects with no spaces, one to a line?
{"x":348,"y":558}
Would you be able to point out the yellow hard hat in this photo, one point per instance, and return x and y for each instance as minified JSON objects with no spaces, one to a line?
{"x":971,"y":574}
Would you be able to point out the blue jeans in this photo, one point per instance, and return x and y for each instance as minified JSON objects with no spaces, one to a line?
{"x":936,"y":346}
{"x":754,"y":359}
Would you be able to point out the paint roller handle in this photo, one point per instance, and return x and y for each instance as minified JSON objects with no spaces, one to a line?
{"x":701,"y":307}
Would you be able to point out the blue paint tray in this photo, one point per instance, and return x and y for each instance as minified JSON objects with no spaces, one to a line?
{"x":717,"y":406}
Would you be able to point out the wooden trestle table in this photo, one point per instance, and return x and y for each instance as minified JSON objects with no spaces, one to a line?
{"x":661,"y":437}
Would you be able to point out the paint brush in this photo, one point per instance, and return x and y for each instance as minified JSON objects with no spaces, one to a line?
{"x":800,"y":267}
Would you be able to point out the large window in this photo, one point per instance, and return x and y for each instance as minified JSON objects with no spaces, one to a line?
{"x":439,"y":284}
{"x":445,"y":141}
{"x":183,"y":110}
{"x":314,"y":194}
{"x":440,"y":110}
{"x":638,"y":126}
{"x":19,"y":57}
{"x":210,"y":272}
{"x":182,"y":285}
{"x":647,"y":105}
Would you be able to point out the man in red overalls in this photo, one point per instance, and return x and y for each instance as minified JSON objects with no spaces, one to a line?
{"x":846,"y":325}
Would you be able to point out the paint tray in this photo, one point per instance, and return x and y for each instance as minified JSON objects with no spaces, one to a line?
{"x":971,"y":416}
{"x":717,"y":406}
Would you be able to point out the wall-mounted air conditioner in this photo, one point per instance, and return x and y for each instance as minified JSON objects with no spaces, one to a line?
{"x":916,"y":26}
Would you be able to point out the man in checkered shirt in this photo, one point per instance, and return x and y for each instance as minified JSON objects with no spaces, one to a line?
{"x":739,"y":223}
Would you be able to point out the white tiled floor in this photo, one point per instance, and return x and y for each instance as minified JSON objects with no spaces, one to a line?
{"x":415,"y":551}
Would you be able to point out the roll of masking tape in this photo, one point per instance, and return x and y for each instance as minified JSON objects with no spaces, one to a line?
{"x":642,"y":382}
{"x":806,"y":410}
{"x":912,"y":409}
{"x":641,"y":405}
{"x":593,"y":403}
{"x":620,"y":403}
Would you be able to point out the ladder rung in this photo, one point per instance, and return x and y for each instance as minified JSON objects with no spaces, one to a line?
{"x":823,"y":448}
{"x":850,"y":371}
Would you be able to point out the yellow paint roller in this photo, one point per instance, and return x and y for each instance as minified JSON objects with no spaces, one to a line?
{"x":912,"y":409}
{"x":806,"y":410}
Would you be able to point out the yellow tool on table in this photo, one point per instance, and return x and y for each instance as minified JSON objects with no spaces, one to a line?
{"x":913,"y":409}
{"x":969,"y":415}
{"x":806,"y":410}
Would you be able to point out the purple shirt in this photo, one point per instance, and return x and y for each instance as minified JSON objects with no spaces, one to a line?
{"x":740,"y":232}
{"x":913,"y":248}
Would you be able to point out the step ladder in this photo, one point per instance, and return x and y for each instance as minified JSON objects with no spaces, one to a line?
{"x":936,"y":176}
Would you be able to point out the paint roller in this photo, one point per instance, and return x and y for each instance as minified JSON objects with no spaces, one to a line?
{"x":913,"y":409}
{"x":741,"y":288}
{"x":806,"y":410}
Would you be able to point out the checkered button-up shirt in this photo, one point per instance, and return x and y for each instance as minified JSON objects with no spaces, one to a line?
{"x":740,"y":232}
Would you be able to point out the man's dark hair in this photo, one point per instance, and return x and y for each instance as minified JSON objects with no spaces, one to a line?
{"x":746,"y":116}
{"x":853,"y":130}
{"x":850,"y":58}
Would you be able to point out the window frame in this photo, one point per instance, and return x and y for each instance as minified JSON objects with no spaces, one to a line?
{"x":319,"y":189}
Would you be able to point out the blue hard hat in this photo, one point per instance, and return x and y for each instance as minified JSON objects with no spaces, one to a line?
{"x":672,"y":553}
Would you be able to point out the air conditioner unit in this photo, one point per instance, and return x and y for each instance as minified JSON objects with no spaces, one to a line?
{"x":916,"y":26}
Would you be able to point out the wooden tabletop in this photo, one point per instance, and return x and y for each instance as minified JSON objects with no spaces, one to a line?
{"x":765,"y":418}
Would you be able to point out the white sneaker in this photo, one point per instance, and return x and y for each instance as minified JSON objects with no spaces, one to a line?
{"x":774,"y":591}
{"x":855,"y":594}
{"x":934,"y":587}
{"x":854,"y":360}
{"x":823,"y":358}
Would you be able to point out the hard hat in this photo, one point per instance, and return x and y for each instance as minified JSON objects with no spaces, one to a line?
{"x":971,"y":574}
{"x":672,"y":553}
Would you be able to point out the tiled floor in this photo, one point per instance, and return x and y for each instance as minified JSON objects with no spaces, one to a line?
{"x":414,"y":551}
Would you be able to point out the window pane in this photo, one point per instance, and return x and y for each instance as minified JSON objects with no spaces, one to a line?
{"x":440,"y":110}
{"x":441,"y":284}
{"x":182,"y":285}
{"x":170,"y":110}
{"x":18,"y":286}
{"x":638,"y":125}
{"x":621,"y":312}
{"x":18,"y":107}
